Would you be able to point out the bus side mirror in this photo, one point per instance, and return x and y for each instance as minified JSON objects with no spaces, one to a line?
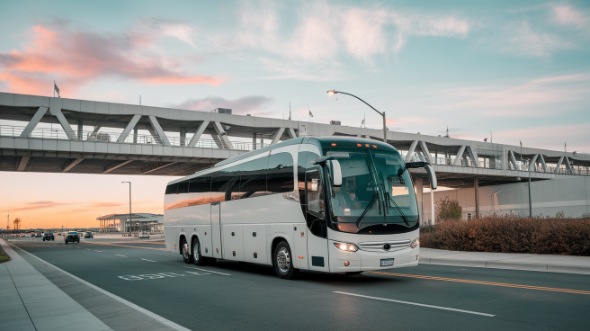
{"x":335,"y":172}
{"x":431,"y":176}
{"x":429,"y":171}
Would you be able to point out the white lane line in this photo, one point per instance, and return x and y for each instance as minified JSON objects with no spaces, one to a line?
{"x":113,"y":296}
{"x":213,"y":272}
{"x":417,"y":304}
{"x":121,"y":255}
{"x":97,"y":251}
{"x":148,"y":260}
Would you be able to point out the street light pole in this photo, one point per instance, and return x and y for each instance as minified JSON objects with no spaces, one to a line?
{"x":332,"y":92}
{"x":129,"y":204}
{"x":530,"y":197}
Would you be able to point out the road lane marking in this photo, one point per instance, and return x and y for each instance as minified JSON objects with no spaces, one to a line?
{"x":416,"y":304}
{"x":148,"y":260}
{"x":213,"y":272}
{"x":113,"y":296}
{"x":97,"y":251}
{"x":483,"y":282}
{"x":121,"y":255}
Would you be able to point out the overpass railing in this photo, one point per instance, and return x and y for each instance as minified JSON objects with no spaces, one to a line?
{"x":113,"y":137}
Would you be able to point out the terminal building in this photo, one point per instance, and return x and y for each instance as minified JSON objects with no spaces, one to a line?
{"x":129,"y":223}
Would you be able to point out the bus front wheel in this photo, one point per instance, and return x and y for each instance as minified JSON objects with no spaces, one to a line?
{"x":283,"y":262}
{"x":184,"y":251}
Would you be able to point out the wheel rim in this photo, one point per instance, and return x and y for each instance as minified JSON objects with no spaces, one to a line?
{"x":283,"y":260}
{"x":185,"y":254}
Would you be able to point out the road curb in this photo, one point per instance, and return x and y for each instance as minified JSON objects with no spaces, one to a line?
{"x":542,"y":267}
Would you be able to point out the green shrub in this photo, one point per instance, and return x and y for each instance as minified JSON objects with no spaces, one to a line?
{"x":448,"y":209}
{"x":512,"y":235}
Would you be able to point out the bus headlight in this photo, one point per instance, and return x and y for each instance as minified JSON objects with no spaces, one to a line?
{"x":415,"y":243}
{"x":346,"y":247}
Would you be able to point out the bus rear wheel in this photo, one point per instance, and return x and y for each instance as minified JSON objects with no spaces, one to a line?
{"x":283,"y":262}
{"x":184,"y":251}
{"x":196,"y":252}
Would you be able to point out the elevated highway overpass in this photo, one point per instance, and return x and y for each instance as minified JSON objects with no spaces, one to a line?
{"x":45,"y":134}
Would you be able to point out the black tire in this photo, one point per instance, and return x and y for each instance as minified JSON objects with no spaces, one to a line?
{"x":66,"y":242}
{"x":354,"y":273}
{"x":197,"y":258}
{"x":184,"y":251}
{"x":283,"y":261}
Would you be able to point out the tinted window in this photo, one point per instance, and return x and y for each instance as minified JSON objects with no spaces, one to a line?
{"x":279,"y":177}
{"x":200,"y":184}
{"x":253,"y":178}
{"x":182,"y":187}
{"x":172,"y":189}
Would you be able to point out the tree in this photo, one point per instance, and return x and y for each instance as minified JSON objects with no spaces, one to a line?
{"x":448,"y":209}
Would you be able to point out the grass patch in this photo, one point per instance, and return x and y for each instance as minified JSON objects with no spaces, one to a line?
{"x":3,"y":256}
{"x":511,"y":235}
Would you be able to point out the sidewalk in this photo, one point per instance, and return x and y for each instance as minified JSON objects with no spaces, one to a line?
{"x":529,"y":262}
{"x":29,"y":301}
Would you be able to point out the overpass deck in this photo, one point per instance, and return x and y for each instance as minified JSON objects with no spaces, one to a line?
{"x":44,"y":134}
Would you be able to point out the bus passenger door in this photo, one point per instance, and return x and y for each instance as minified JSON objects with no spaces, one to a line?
{"x":216,"y":229}
{"x":315,"y":214}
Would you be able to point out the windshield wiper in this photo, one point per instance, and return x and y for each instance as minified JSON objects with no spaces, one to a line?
{"x":399,"y":210}
{"x":371,"y":203}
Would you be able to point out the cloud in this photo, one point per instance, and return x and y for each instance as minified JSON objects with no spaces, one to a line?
{"x":35,"y":205}
{"x":247,"y":105}
{"x":75,"y":57}
{"x":324,"y":34}
{"x":569,"y":16}
{"x":522,"y":39}
{"x":538,"y":97}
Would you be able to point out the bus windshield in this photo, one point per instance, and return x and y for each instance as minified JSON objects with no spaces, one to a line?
{"x":376,"y":196}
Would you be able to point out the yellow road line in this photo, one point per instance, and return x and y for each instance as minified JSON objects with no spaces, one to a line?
{"x":483,"y":282}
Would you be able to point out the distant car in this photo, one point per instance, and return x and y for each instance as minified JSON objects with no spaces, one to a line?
{"x":72,"y":236}
{"x":88,"y":234}
{"x":48,"y":236}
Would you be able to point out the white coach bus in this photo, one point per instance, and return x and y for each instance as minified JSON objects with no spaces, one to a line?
{"x":332,"y":204}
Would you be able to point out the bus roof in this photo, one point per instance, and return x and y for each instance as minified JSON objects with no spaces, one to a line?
{"x":320,"y":142}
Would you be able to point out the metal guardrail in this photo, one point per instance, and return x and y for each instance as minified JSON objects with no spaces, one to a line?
{"x":112,"y":137}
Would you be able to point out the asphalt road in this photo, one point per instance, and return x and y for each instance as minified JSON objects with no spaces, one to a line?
{"x":229,"y":296}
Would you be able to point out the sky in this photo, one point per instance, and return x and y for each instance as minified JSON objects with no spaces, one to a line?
{"x":509,"y":71}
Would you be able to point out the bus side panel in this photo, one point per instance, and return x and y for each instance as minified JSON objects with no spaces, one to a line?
{"x":255,"y":244}
{"x":233,"y":241}
{"x":299,"y":246}
{"x":216,"y":230}
{"x":318,"y":253}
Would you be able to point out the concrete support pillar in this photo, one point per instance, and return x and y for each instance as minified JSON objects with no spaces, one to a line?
{"x":476,"y":187}
{"x":80,"y":130}
{"x":419,"y":182}
{"x":432,"y":212}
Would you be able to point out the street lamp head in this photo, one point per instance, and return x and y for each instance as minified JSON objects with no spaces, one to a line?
{"x":331,"y":92}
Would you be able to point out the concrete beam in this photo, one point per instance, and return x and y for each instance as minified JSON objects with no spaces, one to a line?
{"x":22,"y":163}
{"x":73,"y":164}
{"x":113,"y":167}
{"x":198,"y":133}
{"x":130,"y":126}
{"x":459,"y":157}
{"x":34,"y":121}
{"x":277,"y":136}
{"x":63,"y":122}
{"x":163,"y":139}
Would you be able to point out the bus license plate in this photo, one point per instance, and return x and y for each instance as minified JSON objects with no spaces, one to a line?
{"x":387,"y":262}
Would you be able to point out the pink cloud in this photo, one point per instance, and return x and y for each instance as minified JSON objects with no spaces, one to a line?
{"x":75,"y":57}
{"x":247,"y":105}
